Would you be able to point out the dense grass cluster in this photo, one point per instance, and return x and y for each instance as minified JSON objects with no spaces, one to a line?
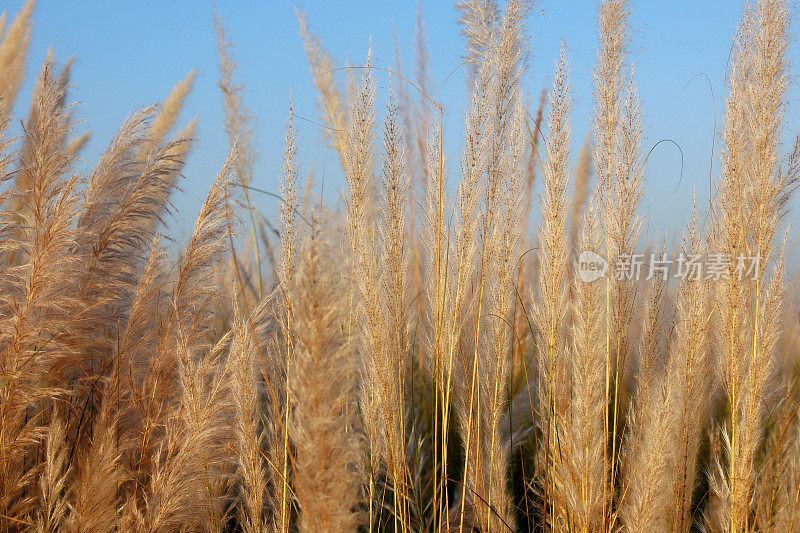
{"x":410,"y":358}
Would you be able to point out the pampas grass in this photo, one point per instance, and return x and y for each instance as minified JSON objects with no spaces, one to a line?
{"x":13,"y":56}
{"x":553,"y":286}
{"x":323,"y":393}
{"x":750,"y":310}
{"x":331,"y":102}
{"x":407,"y":359}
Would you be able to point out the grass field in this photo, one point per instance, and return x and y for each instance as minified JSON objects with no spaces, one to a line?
{"x":412,"y":357}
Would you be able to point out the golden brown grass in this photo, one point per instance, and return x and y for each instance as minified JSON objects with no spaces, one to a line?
{"x":364,"y":375}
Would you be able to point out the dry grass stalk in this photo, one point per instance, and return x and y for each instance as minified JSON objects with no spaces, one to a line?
{"x":583,"y":473}
{"x":665,"y":442}
{"x":98,"y":478}
{"x":77,"y":144}
{"x":551,"y":311}
{"x":13,"y":57}
{"x":392,"y":363}
{"x":331,"y":102}
{"x":463,"y":293}
{"x":191,"y":463}
{"x":415,"y":114}
{"x":52,"y":507}
{"x":322,"y":393}
{"x":478,"y":21}
{"x":245,"y":375}
{"x":36,"y":303}
{"x":289,"y":235}
{"x":618,"y":167}
{"x":171,"y":109}
{"x":365,"y":321}
{"x":239,"y":128}
{"x":502,"y":216}
{"x":750,"y":202}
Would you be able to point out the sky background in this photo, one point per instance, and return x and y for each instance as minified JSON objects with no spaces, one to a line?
{"x":130,"y":54}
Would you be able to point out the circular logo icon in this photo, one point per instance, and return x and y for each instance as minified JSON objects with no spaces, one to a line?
{"x":591,"y":266}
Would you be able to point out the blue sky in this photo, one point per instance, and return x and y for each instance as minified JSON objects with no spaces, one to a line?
{"x":130,"y":54}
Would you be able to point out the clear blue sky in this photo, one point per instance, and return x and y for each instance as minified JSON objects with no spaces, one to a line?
{"x":130,"y":54}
